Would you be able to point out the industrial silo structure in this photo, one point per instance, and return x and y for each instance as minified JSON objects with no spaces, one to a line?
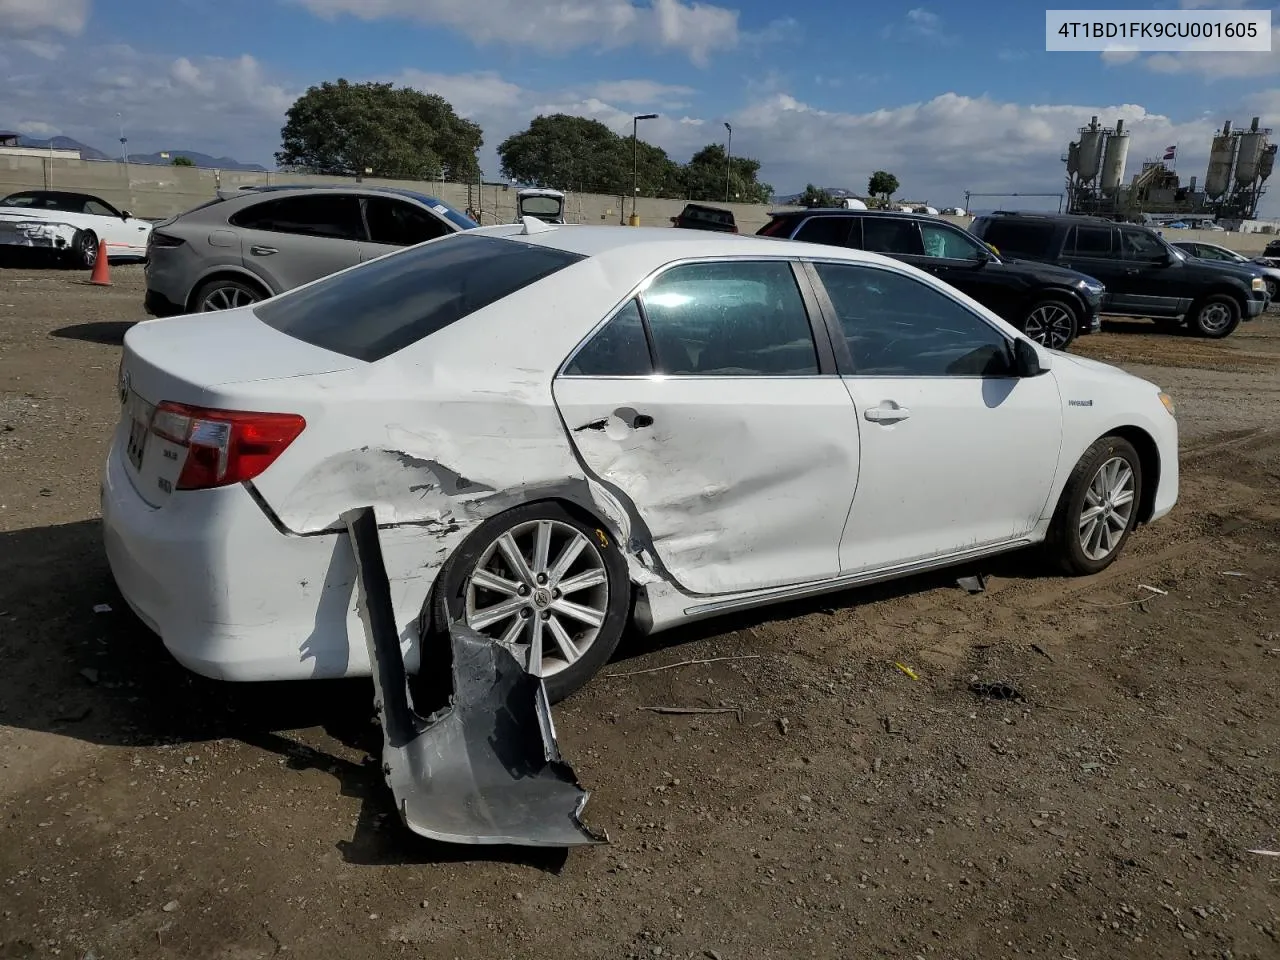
{"x":1089,"y":158}
{"x":1115,"y":154}
{"x":1249,"y":155}
{"x":1222,"y":156}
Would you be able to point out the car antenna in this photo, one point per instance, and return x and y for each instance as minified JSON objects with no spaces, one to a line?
{"x":533,"y":225}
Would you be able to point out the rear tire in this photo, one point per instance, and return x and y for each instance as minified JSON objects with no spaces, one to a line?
{"x":1098,"y":508}
{"x":83,"y":251}
{"x":459,"y":597}
{"x":1051,"y":323}
{"x":224,"y":293}
{"x":1215,"y":317}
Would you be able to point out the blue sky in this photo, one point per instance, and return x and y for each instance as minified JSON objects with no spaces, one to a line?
{"x":949,"y":96}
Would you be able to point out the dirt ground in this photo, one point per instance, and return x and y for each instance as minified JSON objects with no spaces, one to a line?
{"x":850,"y":811}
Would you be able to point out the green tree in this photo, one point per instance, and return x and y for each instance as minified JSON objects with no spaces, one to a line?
{"x":883,"y":185}
{"x":183,"y":162}
{"x":704,"y":177}
{"x":347,"y":128}
{"x":816,"y":197}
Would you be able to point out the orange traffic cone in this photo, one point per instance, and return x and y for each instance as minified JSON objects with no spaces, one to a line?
{"x":101,"y":275}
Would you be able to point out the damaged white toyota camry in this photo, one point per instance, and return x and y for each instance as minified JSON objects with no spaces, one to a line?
{"x":566,"y":428}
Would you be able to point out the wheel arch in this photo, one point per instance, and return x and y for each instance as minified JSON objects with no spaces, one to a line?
{"x":1221,"y":290}
{"x":1065,"y":294}
{"x":225,"y":272}
{"x":1149,"y":456}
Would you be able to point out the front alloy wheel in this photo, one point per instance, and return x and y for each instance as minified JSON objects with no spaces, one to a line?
{"x":1108,"y":509}
{"x":1051,"y":324}
{"x":1098,"y":508}
{"x":541,"y":579}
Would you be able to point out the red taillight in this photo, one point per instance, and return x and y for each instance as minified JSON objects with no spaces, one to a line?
{"x":775,"y":228}
{"x":164,"y":240}
{"x":224,"y":446}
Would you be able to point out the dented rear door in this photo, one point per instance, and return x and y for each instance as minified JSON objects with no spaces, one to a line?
{"x":736,"y":449}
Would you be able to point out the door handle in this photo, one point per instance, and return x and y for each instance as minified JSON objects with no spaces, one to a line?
{"x":636,"y":421}
{"x":886,"y":414}
{"x":1132,"y":270}
{"x":260,"y":251}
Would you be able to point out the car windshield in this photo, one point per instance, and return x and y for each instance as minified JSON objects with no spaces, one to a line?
{"x":377,"y":309}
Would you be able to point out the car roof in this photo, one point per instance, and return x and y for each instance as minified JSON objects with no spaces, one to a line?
{"x":658,"y":245}
{"x":57,"y":194}
{"x":253,"y":190}
{"x":847,"y":212}
{"x":1055,"y":217}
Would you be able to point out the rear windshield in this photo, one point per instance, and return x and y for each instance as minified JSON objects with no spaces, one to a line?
{"x":707,"y":214}
{"x":377,"y":309}
{"x":1018,"y":236}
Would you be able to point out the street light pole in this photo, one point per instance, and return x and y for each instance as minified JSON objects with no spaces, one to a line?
{"x":728,"y":163}
{"x":124,"y":154}
{"x":635,"y":160}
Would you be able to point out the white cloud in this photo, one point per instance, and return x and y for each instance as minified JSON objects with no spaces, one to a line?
{"x":471,"y":94}
{"x":18,"y":17}
{"x":918,"y":24}
{"x":556,"y":26}
{"x":642,"y":93}
{"x":41,"y":48}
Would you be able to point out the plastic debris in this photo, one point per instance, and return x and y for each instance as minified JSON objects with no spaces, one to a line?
{"x":907,"y":670}
{"x":975,"y":584}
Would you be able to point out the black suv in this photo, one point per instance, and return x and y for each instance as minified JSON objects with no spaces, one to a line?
{"x":1051,"y":305}
{"x":1143,"y":274}
{"x":695,"y":216}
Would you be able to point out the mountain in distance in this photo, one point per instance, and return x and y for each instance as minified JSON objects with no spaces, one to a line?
{"x":92,"y":153}
{"x":839,"y":193}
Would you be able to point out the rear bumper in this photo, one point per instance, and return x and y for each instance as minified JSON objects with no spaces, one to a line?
{"x":232,"y":597}
{"x":158,"y":305}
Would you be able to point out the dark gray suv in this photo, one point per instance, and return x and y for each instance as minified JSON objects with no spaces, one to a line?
{"x":261,"y":241}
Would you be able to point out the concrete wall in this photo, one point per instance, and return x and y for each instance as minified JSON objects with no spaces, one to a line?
{"x":162,"y":191}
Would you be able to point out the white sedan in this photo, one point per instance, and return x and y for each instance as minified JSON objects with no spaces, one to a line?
{"x":565,"y":428}
{"x":72,"y":224}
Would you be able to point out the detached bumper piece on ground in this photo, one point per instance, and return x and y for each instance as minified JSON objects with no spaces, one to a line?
{"x":484,"y":770}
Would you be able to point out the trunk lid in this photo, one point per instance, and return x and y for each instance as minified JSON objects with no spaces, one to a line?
{"x":192,"y":360}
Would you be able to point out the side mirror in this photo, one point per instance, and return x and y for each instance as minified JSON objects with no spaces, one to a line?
{"x":1027,"y":361}
{"x":984,"y":256}
{"x":125,"y":214}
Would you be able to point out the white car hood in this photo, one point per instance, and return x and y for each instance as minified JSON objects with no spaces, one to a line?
{"x":1096,"y":369}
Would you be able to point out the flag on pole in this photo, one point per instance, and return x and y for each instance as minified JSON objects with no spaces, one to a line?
{"x":1170,"y":153}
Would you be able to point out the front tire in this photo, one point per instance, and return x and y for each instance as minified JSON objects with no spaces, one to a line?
{"x":1098,"y":508}
{"x":1216,"y":316}
{"x":1051,"y":323}
{"x":539,"y":576}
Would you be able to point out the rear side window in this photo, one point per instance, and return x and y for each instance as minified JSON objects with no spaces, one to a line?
{"x":401,"y":224}
{"x":335,"y":216}
{"x":1034,"y":238}
{"x":1092,"y":241}
{"x":730,"y":319}
{"x":382,"y":307}
{"x":619,"y":348}
{"x":833,"y":231}
{"x":889,"y":235}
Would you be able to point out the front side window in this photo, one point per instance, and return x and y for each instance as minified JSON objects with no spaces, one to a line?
{"x":949,"y":243}
{"x":1141,"y":245}
{"x":618,"y":349}
{"x":335,"y":216}
{"x":890,"y":235}
{"x":897,"y":326}
{"x":400,"y":224}
{"x":730,"y":319}
{"x":1031,"y":237}
{"x":1093,"y":241}
{"x":100,"y":209}
{"x":404,"y":297}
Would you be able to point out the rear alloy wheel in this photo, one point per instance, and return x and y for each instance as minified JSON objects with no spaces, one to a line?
{"x":225,"y":294}
{"x":1098,"y":509}
{"x":84,"y":249}
{"x":538,"y":578}
{"x":1051,"y":323}
{"x":1215,"y":316}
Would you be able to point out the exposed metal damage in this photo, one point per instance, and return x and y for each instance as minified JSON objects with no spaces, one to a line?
{"x":485,"y":769}
{"x":20,"y":231}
